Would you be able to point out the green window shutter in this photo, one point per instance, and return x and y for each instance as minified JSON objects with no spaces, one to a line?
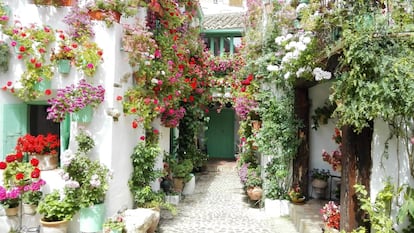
{"x":64,"y":134}
{"x":14,"y":126}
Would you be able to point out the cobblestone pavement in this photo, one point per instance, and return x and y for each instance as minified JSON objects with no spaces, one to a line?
{"x":219,"y":205}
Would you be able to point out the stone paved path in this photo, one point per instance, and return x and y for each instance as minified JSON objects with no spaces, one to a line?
{"x":219,"y":205}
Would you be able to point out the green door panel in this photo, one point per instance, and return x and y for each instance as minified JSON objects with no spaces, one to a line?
{"x":220,"y":134}
{"x":64,"y":134}
{"x":14,"y":126}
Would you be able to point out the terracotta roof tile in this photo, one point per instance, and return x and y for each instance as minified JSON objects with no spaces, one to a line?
{"x":223,"y":21}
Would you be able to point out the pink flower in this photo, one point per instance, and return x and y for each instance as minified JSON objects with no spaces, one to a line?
{"x":90,"y":66}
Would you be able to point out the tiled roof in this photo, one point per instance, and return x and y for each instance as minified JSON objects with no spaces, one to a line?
{"x":224,"y":21}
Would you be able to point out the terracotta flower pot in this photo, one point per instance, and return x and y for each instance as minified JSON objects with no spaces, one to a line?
{"x":102,"y":15}
{"x":54,"y":227}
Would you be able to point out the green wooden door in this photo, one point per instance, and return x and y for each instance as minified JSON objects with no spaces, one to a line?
{"x":220,"y":134}
{"x":14,"y":126}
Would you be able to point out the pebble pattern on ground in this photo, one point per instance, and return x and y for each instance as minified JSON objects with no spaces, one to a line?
{"x":219,"y":205}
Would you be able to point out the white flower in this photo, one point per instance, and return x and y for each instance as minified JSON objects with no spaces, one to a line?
{"x":306,"y":40}
{"x":154,"y":81}
{"x":301,"y":7}
{"x":300,"y":46}
{"x":287,"y":75}
{"x":72,"y":184}
{"x":300,"y":71}
{"x":279,"y":40}
{"x":271,"y":68}
{"x":321,"y":74}
{"x":162,"y":72}
{"x":291,"y":45}
{"x":289,"y":36}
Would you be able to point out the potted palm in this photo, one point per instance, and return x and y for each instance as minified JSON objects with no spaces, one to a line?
{"x":57,"y":209}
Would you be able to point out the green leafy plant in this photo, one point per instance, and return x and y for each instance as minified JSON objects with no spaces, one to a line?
{"x":88,"y":57}
{"x":147,"y":198}
{"x":182,"y":169}
{"x":85,"y":141}
{"x":57,"y":206}
{"x":320,"y":174}
{"x":4,"y":56}
{"x":378,"y":211}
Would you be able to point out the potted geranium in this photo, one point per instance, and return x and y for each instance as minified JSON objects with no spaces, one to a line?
{"x":295,"y":194}
{"x":92,"y":182}
{"x":84,"y":140}
{"x":88,"y":57}
{"x":72,"y":99}
{"x":42,"y":147}
{"x":31,"y":196}
{"x":65,"y":54}
{"x":17,"y":173}
{"x":9,"y":199}
{"x":30,"y":44}
{"x":331,"y":217}
{"x":56,"y":209}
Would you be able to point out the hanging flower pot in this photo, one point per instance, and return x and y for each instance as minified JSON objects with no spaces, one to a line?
{"x":64,"y":66}
{"x":105,"y":15}
{"x":43,"y":85}
{"x":91,"y":219}
{"x":84,"y":115}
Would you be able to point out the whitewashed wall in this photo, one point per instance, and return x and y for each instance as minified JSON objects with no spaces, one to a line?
{"x":320,"y":139}
{"x":114,"y":140}
{"x":395,"y":167}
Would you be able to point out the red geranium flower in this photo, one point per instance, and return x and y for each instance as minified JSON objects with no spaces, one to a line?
{"x":34,"y":162}
{"x":19,"y":176}
{"x":35,"y":173}
{"x":3,"y":165}
{"x":10,"y":158}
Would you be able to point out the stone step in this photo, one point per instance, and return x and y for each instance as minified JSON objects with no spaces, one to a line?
{"x":306,"y":217}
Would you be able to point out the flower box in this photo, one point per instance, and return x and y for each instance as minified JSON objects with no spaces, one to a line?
{"x":105,"y":15}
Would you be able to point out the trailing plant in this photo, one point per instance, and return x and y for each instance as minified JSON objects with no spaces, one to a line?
{"x":143,"y":161}
{"x":322,"y":114}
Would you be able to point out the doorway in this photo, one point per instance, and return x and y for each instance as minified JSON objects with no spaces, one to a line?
{"x":220,"y":134}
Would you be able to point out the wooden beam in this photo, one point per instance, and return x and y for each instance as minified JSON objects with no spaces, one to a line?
{"x":301,"y":162}
{"x":356,"y":169}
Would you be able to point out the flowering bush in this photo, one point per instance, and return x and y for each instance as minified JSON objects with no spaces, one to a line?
{"x":335,"y":158}
{"x":39,"y":144}
{"x":115,"y":223}
{"x":243,"y":106}
{"x":18,"y":173}
{"x":125,"y":7}
{"x":88,"y":179}
{"x":243,"y":172}
{"x":9,"y":198}
{"x":32,"y":192}
{"x":171,"y":117}
{"x":74,"y":98}
{"x":331,"y":215}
